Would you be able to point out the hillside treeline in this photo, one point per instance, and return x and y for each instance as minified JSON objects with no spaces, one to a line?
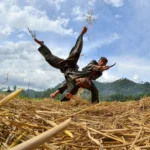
{"x":119,"y":90}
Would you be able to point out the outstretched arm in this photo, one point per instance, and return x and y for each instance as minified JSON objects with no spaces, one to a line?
{"x":100,"y":68}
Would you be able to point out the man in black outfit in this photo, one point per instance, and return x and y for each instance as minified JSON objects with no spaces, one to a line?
{"x":92,"y":71}
{"x":74,"y":78}
{"x":67,"y":65}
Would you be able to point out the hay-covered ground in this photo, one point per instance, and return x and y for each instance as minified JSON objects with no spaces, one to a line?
{"x":103,"y":126}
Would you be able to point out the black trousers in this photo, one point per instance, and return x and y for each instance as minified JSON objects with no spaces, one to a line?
{"x":92,"y":89}
{"x":63,"y":64}
{"x":94,"y":93}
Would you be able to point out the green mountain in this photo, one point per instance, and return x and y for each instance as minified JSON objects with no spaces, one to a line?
{"x":123,"y":86}
{"x":122,"y":89}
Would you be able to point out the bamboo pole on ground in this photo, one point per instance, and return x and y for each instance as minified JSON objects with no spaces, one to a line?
{"x":43,"y":137}
{"x":17,"y":140}
{"x":10,"y":96}
{"x":54,"y":124}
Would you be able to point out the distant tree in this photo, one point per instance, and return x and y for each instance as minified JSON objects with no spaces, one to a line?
{"x":8,"y":89}
{"x":146,"y":83}
{"x":15,"y":87}
{"x":142,"y":82}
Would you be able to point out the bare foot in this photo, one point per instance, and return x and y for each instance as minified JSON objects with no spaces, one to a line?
{"x":53,"y":95}
{"x":84,"y":30}
{"x":39,"y":42}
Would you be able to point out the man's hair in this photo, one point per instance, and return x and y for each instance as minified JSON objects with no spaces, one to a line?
{"x":104,"y":58}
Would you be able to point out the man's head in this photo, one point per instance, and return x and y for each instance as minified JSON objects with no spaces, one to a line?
{"x":102,"y":61}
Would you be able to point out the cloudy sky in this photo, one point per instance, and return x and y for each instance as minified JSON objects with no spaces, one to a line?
{"x":120,"y":32}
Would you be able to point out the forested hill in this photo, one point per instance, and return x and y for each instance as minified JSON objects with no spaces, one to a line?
{"x":123,"y":86}
{"x":119,"y":89}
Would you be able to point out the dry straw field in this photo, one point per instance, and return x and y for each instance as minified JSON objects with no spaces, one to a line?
{"x":44,"y":125}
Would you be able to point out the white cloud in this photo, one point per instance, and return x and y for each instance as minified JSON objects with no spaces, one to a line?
{"x":22,"y":61}
{"x":49,"y":3}
{"x":19,"y":18}
{"x":78,"y":12}
{"x":118,"y":16}
{"x":111,"y":38}
{"x":21,"y":36}
{"x":57,"y":3}
{"x":98,"y":43}
{"x":91,"y":2}
{"x":5,"y":31}
{"x":81,"y":14}
{"x":63,"y":14}
{"x":107,"y":77}
{"x":136,"y":77}
{"x":115,"y":3}
{"x":132,"y":67}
